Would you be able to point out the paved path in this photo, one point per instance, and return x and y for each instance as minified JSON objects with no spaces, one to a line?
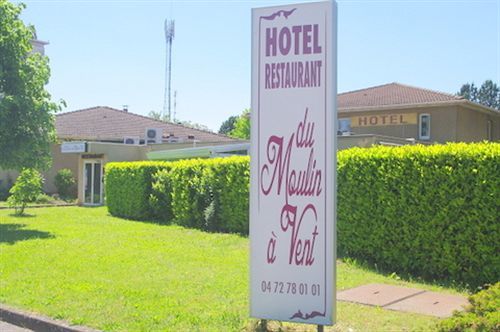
{"x":6,"y":327}
{"x":404,"y":299}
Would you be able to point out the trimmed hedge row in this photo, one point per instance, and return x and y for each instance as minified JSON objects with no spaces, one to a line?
{"x":430,"y":211}
{"x":128,"y":187}
{"x":209,"y":194}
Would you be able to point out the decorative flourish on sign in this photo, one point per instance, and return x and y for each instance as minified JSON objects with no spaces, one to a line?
{"x":313,"y":314}
{"x":285,"y":13}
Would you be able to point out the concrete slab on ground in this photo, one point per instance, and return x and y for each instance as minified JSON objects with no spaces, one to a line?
{"x":404,"y":299}
{"x":431,"y":303}
{"x":377,"y":294}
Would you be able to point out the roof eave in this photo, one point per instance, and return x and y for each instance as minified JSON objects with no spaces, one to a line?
{"x":460,"y":102}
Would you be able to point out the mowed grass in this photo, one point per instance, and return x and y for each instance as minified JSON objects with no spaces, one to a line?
{"x":86,"y":267}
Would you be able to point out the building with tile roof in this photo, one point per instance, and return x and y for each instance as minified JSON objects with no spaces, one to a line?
{"x":106,"y":124}
{"x":408,"y":112}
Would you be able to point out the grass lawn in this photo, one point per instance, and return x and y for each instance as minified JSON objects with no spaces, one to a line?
{"x":84,"y":266}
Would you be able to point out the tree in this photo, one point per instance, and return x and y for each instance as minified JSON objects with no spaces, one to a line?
{"x":26,"y":189}
{"x":186,"y":123}
{"x":488,"y":94}
{"x":242,"y":126}
{"x":26,"y":111}
{"x":191,"y":124}
{"x":157,"y":116}
{"x":228,"y":125}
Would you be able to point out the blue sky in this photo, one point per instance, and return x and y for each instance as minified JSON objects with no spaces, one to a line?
{"x":113,"y":52}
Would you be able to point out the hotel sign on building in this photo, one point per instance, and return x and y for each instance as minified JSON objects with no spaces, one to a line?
{"x":292,"y":200}
{"x":384,"y":120}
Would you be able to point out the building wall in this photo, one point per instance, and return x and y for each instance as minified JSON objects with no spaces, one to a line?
{"x":59,"y":161}
{"x":448,"y":124}
{"x":473,"y":126}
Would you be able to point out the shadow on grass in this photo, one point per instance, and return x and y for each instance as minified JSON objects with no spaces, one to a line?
{"x":12,"y":233}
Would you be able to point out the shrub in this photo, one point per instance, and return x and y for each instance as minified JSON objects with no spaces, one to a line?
{"x":26,"y":189}
{"x":431,"y":211}
{"x":209,"y":194}
{"x":43,"y":198}
{"x":481,"y":315}
{"x":428,"y":211}
{"x":65,"y":184}
{"x":128,"y":187}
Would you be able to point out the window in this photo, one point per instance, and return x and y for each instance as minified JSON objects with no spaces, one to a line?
{"x":424,"y":126}
{"x":344,"y":126}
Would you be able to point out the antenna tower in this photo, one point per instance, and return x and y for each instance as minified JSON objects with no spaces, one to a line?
{"x":169,"y":38}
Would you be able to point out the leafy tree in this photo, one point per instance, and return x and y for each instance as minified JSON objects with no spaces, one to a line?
{"x":190,"y":124}
{"x":157,"y":116}
{"x":194,"y":125}
{"x":26,"y":111}
{"x":228,"y":125}
{"x":242,"y":126}
{"x":26,"y":189}
{"x":488,"y":94}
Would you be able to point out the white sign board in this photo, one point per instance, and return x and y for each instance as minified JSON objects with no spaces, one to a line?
{"x":293,"y":150}
{"x":73,"y":147}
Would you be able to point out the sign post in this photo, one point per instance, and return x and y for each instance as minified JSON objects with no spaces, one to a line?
{"x":293,"y":164}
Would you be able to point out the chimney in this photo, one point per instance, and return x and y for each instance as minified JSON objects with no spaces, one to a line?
{"x":125,"y":108}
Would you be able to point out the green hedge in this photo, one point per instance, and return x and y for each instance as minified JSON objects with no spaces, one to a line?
{"x":128,"y":187}
{"x":209,"y":194}
{"x":431,"y":211}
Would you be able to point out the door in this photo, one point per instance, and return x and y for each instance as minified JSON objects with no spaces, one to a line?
{"x":92,"y":179}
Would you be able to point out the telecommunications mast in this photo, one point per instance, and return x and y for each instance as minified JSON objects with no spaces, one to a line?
{"x":169,"y":38}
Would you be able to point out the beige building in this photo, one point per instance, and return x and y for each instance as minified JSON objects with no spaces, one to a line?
{"x":406,"y":112}
{"x":90,"y":138}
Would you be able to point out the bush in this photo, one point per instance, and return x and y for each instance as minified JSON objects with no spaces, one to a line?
{"x":43,"y":198}
{"x":208,"y":194}
{"x":26,"y":189}
{"x":431,"y":211}
{"x":481,"y":315}
{"x":128,"y":187}
{"x":65,"y":184}
{"x":428,"y":211}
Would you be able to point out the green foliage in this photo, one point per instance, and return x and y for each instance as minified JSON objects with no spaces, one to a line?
{"x":431,"y":211}
{"x":26,"y":112}
{"x":65,"y":184}
{"x":128,"y":187}
{"x":228,"y":125}
{"x":208,"y":194}
{"x":27,"y":188}
{"x":43,"y":198}
{"x":428,"y":211}
{"x":488,"y":94}
{"x":481,"y":315}
{"x":242,"y":126}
